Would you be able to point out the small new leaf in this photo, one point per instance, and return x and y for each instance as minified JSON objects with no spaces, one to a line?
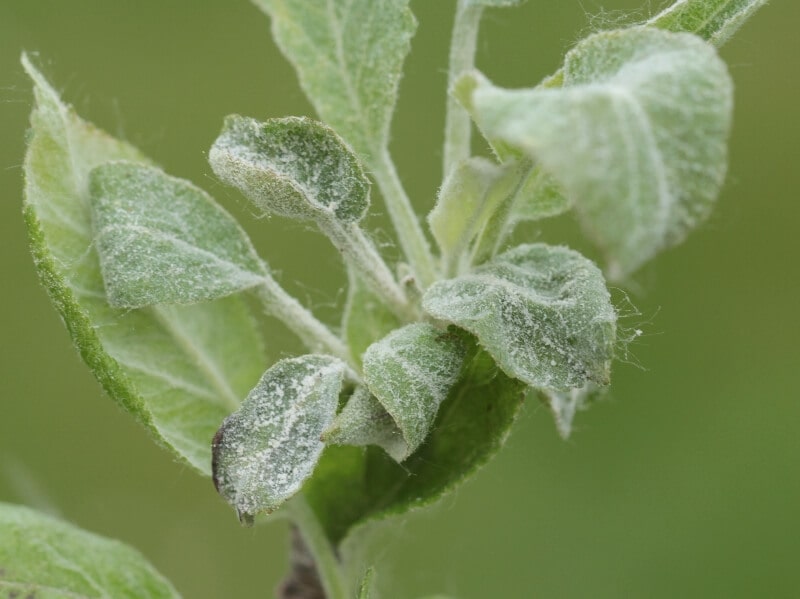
{"x":542,"y":312}
{"x":292,"y":166}
{"x":44,"y":557}
{"x":179,"y":370}
{"x":411,"y":372}
{"x":161,"y":240}
{"x":713,"y":20}
{"x":636,"y":136}
{"x":469,"y":199}
{"x":264,"y":451}
{"x":349,"y":56}
{"x":364,"y":421}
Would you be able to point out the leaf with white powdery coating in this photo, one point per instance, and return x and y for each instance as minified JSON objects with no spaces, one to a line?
{"x":636,"y":136}
{"x":353,"y":486}
{"x":411,"y":372}
{"x":294,"y":166}
{"x":349,"y":56}
{"x":713,"y":20}
{"x":366,"y":318}
{"x":178,"y":369}
{"x":266,"y":449}
{"x":542,"y":312}
{"x":364,"y":421}
{"x":161,"y":240}
{"x":46,"y":558}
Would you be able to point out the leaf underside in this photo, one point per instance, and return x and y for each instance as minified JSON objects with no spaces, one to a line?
{"x":179,"y":370}
{"x":636,"y":136}
{"x":46,"y":558}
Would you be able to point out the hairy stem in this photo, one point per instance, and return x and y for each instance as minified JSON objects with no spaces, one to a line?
{"x":314,"y":334}
{"x":360,"y":253}
{"x":409,"y":232}
{"x":458,"y":127}
{"x":328,"y":566}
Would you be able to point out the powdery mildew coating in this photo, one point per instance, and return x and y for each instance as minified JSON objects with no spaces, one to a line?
{"x":266,"y":450}
{"x":411,"y":372}
{"x":294,"y":166}
{"x":542,"y":312}
{"x":636,"y":136}
{"x":161,"y":240}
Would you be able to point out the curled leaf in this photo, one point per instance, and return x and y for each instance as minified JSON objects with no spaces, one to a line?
{"x":636,"y":136}
{"x":542,"y":312}
{"x":713,"y":20}
{"x":295,"y":167}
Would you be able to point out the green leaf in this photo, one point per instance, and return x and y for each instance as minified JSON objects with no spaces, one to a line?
{"x":161,"y":240}
{"x":349,"y":58}
{"x":266,"y":449}
{"x":636,"y":136}
{"x":469,"y":199}
{"x":178,"y":369}
{"x":411,"y":372}
{"x":542,"y":312}
{"x":366,"y":317}
{"x":46,"y":558}
{"x":364,"y":421}
{"x":713,"y":20}
{"x":353,"y":486}
{"x":540,"y":196}
{"x":292,"y":166}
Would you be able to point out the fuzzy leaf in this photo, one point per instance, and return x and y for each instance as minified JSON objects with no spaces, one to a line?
{"x":46,"y":558}
{"x":713,"y":20}
{"x":161,"y":240}
{"x":469,"y":199}
{"x":636,"y":136}
{"x":366,"y":317}
{"x":266,"y":450}
{"x":348,"y":55}
{"x":540,"y":196}
{"x":178,"y":369}
{"x":353,"y":486}
{"x":367,"y":583}
{"x":411,"y":372}
{"x":542,"y":312}
{"x":364,"y":421}
{"x":293,"y":166}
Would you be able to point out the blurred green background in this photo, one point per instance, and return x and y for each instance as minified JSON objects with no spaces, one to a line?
{"x":685,"y":484}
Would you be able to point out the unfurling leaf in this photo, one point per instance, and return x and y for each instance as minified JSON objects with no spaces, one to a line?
{"x":364,"y":421}
{"x":292,"y":166}
{"x":161,"y":240}
{"x":349,"y":59}
{"x":465,"y":213}
{"x":264,"y":451}
{"x":542,"y":312}
{"x":46,"y":558}
{"x":540,"y":196}
{"x":178,"y":369}
{"x":713,"y":20}
{"x":636,"y":136}
{"x":411,"y":372}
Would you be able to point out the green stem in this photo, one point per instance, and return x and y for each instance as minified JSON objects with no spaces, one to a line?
{"x":409,"y":232}
{"x":328,"y":565}
{"x":458,"y":127}
{"x":314,"y":334}
{"x":360,"y":253}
